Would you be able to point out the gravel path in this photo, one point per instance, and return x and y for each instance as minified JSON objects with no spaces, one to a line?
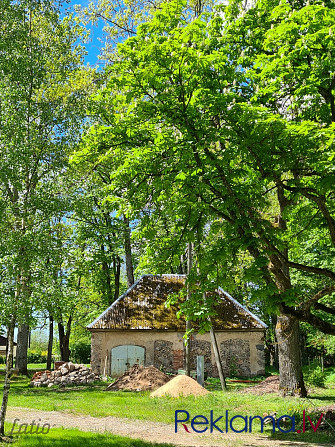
{"x":145,"y":430}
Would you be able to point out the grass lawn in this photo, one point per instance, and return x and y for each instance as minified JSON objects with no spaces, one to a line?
{"x":96,"y":402}
{"x":31,"y":366}
{"x":59,"y":437}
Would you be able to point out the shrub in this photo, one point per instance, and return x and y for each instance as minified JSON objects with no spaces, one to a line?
{"x":81,"y":351}
{"x":314,"y":375}
{"x":2,"y":359}
{"x":330,"y":378}
{"x":37,"y":357}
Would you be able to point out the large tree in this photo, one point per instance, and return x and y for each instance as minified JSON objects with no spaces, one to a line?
{"x":42,"y":85}
{"x":185,"y":118}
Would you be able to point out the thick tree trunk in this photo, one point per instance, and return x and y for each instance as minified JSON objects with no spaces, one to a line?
{"x":128,"y":254}
{"x":50,"y":341}
{"x":6,"y":387}
{"x":64,"y":342}
{"x":22,"y":349}
{"x":271,"y":344}
{"x":291,"y":380}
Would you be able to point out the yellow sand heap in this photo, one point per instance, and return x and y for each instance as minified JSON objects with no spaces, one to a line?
{"x":180,"y":385}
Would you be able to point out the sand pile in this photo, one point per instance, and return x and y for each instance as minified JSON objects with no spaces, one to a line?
{"x":139,"y":378}
{"x":269,"y":385}
{"x":180,"y":385}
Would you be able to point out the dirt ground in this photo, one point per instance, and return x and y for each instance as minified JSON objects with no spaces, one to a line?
{"x":140,"y":378}
{"x":269,"y":385}
{"x":146,"y":430}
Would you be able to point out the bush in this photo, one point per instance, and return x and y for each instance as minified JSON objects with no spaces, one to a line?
{"x":37,"y":357}
{"x":330,"y":381}
{"x":314,"y":375}
{"x":81,"y":351}
{"x":2,"y":359}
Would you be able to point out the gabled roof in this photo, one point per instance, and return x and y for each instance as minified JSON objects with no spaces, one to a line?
{"x":3,"y":341}
{"x":142,"y":306}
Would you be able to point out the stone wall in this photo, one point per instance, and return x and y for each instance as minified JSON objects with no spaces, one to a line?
{"x":163,"y":356}
{"x":240,"y":350}
{"x":235,"y":357}
{"x":202,"y":347}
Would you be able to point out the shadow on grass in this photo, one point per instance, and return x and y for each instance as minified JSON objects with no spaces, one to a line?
{"x":76,"y":438}
{"x":318,"y":439}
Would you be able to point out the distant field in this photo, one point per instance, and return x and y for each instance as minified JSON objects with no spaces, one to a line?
{"x":34,"y":366}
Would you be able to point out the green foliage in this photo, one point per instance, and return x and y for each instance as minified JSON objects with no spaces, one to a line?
{"x":330,"y":378}
{"x":34,"y":356}
{"x":38,"y":341}
{"x":81,"y":351}
{"x":215,"y":131}
{"x":314,"y":375}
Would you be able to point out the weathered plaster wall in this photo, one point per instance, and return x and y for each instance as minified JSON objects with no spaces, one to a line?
{"x":242,"y":352}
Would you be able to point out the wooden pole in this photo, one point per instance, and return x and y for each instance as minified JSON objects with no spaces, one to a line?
{"x":217,"y":358}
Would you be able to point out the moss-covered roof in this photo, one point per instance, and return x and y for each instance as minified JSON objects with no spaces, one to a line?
{"x":143,"y":307}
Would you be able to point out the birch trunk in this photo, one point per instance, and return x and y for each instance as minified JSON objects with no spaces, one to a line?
{"x":50,"y":341}
{"x":6,"y":387}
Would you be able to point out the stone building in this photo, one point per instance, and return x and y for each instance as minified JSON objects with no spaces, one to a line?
{"x":139,"y":328}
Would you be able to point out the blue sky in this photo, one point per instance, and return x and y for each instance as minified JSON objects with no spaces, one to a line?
{"x":94,"y":46}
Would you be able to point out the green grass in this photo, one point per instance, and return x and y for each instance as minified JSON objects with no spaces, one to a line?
{"x":31,"y":366}
{"x":93,"y":400}
{"x":60,"y":437}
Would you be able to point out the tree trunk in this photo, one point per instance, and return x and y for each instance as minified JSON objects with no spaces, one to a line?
{"x":22,"y":349}
{"x":188,"y":322}
{"x":64,"y":342}
{"x":218,"y":359}
{"x":107,"y":273}
{"x":6,"y":387}
{"x":50,"y":342}
{"x":117,"y":273}
{"x":128,"y":254}
{"x":291,"y":380}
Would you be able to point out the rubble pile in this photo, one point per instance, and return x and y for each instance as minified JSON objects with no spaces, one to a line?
{"x":68,"y":374}
{"x":269,"y":385}
{"x":139,"y":378}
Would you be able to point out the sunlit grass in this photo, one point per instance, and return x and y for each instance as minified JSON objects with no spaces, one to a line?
{"x":60,"y":437}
